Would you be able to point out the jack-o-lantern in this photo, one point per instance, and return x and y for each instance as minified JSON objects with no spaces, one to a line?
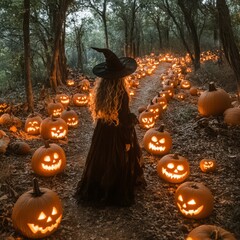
{"x":208,"y":232}
{"x":146,"y":119}
{"x":213,"y":101}
{"x":70,"y":117}
{"x":161,"y":100}
{"x":131,"y":92}
{"x":48,"y":160}
{"x":185,"y":84}
{"x":194,"y":200}
{"x":165,"y":94}
{"x":181,"y":96}
{"x":157,"y":141}
{"x":55,"y":109}
{"x":207,"y":165}
{"x":3,"y":106}
{"x":169,"y":89}
{"x":80,"y":99}
{"x":32,"y":124}
{"x":70,"y":82}
{"x":37,"y":213}
{"x":173,"y":168}
{"x":155,"y":108}
{"x":63,"y":98}
{"x":53,"y":128}
{"x":84,"y":85}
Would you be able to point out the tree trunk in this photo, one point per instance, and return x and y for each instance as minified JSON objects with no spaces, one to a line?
{"x":27,"y":60}
{"x":229,"y":45}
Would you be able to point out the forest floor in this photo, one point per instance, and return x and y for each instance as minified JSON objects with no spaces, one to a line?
{"x":154,"y":216}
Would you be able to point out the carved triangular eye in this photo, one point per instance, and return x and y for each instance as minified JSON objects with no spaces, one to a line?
{"x":192,"y":202}
{"x":180,"y":198}
{"x":41,"y":216}
{"x":54,"y":211}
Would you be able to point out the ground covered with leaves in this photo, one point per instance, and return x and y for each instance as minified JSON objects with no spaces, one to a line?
{"x":154,"y":215}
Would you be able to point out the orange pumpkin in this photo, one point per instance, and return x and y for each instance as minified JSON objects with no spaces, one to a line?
{"x":173,"y":168}
{"x":70,"y":117}
{"x":55,"y":109}
{"x":232,"y":116}
{"x":146,"y":119}
{"x":63,"y":98}
{"x":157,"y":141}
{"x":207,"y":165}
{"x":213,"y":101}
{"x":80,"y":99}
{"x":32,"y":124}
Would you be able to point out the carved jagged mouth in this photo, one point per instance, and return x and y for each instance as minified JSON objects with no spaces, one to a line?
{"x":52,"y":167}
{"x":173,"y":175}
{"x":149,"y":125}
{"x":59,"y":135}
{"x":72,"y":123}
{"x":33,"y":129}
{"x":155,"y":148}
{"x":81,"y":102}
{"x":36,"y":228}
{"x":190,"y":212}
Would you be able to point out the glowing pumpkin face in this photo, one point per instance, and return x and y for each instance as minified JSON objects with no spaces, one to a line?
{"x":48,"y":160}
{"x":64,"y":99}
{"x":161,"y":100}
{"x":53,"y":128}
{"x":146,"y":119}
{"x":32,"y":125}
{"x":157,"y":141}
{"x":165,"y":94}
{"x":155,"y":108}
{"x":131,"y":92}
{"x":84,"y":85}
{"x":70,"y":82}
{"x":37,"y":213}
{"x":185,"y":84}
{"x":194,"y":200}
{"x":70,"y":117}
{"x":181,"y":96}
{"x":208,"y":165}
{"x":169,"y":90}
{"x":173,"y":168}
{"x":55,"y":109}
{"x":80,"y":99}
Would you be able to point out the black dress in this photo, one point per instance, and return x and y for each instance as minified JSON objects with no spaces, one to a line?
{"x":111,"y":172}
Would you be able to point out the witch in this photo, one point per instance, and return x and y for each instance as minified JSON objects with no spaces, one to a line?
{"x":113,"y":166}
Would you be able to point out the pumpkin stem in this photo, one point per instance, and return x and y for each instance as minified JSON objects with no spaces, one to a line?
{"x":212,"y":87}
{"x":36,"y":189}
{"x":46,"y":144}
{"x":215,"y":235}
{"x":161,"y":128}
{"x":175,"y":156}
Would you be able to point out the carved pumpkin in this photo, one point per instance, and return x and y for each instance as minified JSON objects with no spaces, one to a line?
{"x":181,"y":96}
{"x":165,"y":94}
{"x":208,"y":165}
{"x":84,"y":85}
{"x":70,"y":117}
{"x":55,"y":109}
{"x":80,"y":99}
{"x":3,"y":106}
{"x":64,"y":99}
{"x":53,"y":128}
{"x":146,"y":119}
{"x":48,"y":160}
{"x":232,"y":116}
{"x":169,"y":90}
{"x":70,"y":82}
{"x":208,"y":232}
{"x":173,"y":168}
{"x":157,"y":141}
{"x":161,"y":100}
{"x":194,"y":200}
{"x":37,"y":213}
{"x":155,"y":108}
{"x":213,"y":101}
{"x":185,"y":84}
{"x":32,"y":124}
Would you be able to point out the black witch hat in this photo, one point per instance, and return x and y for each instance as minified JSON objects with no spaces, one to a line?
{"x":114,"y":67}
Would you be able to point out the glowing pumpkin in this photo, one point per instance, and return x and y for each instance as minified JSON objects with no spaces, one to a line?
{"x":157,"y":141}
{"x":70,"y":117}
{"x":70,"y":82}
{"x":181,"y":96}
{"x":84,"y":85}
{"x":194,"y":200}
{"x":161,"y":100}
{"x":173,"y":168}
{"x":80,"y":99}
{"x":169,"y":90}
{"x":53,"y":128}
{"x":63,"y":98}
{"x":213,"y":101}
{"x":48,"y":160}
{"x":37,"y":213}
{"x":155,"y":108}
{"x":55,"y":109}
{"x":185,"y":84}
{"x":208,"y":165}
{"x":146,"y":119}
{"x":208,"y":232}
{"x":3,"y":106}
{"x":32,"y":124}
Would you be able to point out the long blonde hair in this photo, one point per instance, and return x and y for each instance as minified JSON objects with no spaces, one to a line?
{"x":106,"y":99}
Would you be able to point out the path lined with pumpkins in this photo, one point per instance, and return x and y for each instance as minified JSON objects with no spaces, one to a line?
{"x":160,"y":211}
